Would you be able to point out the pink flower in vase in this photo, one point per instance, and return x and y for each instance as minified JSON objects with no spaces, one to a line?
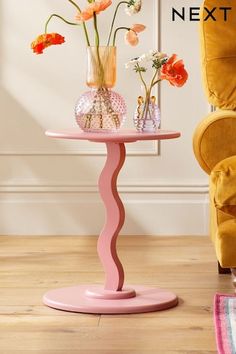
{"x":93,"y":8}
{"x":131,"y":36}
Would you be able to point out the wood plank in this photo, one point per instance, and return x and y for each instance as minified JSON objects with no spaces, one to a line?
{"x":48,"y":280}
{"x":55,"y":280}
{"x":108,"y":338}
{"x":31,"y":323}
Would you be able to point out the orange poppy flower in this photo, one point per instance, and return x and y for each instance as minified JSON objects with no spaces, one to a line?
{"x":174,"y":72}
{"x":46,"y":40}
{"x":104,"y":4}
{"x":131,"y":36}
{"x":93,"y":8}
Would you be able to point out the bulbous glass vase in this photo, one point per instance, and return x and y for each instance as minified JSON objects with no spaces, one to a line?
{"x":101,"y":109}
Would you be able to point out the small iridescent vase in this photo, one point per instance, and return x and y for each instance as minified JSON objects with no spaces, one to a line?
{"x":147,"y":116}
{"x":101,"y":109}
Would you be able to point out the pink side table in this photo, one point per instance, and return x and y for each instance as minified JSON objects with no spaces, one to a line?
{"x":112,"y":298}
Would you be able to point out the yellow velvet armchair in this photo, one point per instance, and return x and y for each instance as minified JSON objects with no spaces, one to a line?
{"x":214,"y":140}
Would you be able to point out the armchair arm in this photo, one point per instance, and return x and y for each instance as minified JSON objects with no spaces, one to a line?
{"x":223,"y":177}
{"x":215,"y":139}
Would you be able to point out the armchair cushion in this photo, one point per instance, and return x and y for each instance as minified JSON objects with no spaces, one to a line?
{"x":223,"y":177}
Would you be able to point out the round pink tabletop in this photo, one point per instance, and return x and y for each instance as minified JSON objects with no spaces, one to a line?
{"x":122,"y":136}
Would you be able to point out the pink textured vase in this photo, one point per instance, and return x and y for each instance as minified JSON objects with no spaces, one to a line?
{"x":147,"y":117}
{"x":101,"y":109}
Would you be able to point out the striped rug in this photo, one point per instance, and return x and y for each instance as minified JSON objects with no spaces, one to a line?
{"x":225,"y":323}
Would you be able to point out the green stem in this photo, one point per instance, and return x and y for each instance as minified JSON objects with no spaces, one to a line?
{"x":97,"y":44}
{"x":153,"y":79}
{"x":147,"y":101}
{"x":55,"y":15}
{"x":116,"y":31}
{"x":114,"y":18}
{"x":142,"y":79}
{"x":83,"y":24}
{"x":153,"y":82}
{"x":156,"y":82}
{"x":75,"y":5}
{"x":147,"y":91}
{"x":97,"y":39}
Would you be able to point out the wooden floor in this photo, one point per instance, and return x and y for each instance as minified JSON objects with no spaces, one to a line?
{"x":29,"y":266}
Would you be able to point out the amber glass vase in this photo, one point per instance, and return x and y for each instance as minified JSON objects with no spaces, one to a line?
{"x":101,"y":67}
{"x":101,"y":109}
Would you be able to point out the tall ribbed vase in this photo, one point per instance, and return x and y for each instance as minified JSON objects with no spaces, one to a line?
{"x":100,"y":109}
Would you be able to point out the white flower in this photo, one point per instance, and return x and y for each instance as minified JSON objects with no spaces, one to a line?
{"x":132,"y":62}
{"x":143,"y":57}
{"x":150,"y":56}
{"x":133,"y":7}
{"x":154,"y":55}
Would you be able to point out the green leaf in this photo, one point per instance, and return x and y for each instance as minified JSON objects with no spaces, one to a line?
{"x":139,"y":69}
{"x":157,"y":63}
{"x":131,"y":3}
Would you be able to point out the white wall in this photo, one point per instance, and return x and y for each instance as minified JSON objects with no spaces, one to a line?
{"x":50,"y":186}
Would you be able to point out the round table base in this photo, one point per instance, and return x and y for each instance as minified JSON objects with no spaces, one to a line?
{"x":76,"y":299}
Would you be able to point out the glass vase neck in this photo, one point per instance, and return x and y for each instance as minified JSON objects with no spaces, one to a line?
{"x":101,"y":66}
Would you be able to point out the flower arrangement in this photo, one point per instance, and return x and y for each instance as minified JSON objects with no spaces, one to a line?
{"x":100,"y":109}
{"x":164,"y":68}
{"x":91,"y":12}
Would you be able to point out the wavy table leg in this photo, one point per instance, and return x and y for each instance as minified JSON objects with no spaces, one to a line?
{"x":115,"y":217}
{"x":112,"y":297}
